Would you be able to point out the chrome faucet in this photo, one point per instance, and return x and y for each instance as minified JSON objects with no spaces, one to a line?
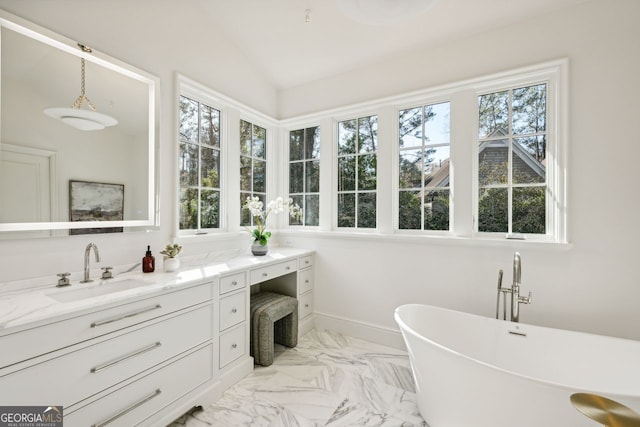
{"x":516,"y":298}
{"x":87,"y":279}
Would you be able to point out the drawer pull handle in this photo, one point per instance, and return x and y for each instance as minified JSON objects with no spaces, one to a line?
{"x":129,"y":409}
{"x":264,"y":274}
{"x":234,"y":310}
{"x":287,"y":268}
{"x":234,"y":283}
{"x":234,"y":345}
{"x":125,"y":316}
{"x":306,"y":281}
{"x":125,"y":357}
{"x":306,"y":262}
{"x":306,"y":306}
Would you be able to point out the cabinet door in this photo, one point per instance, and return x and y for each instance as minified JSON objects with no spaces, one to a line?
{"x":233,"y":310}
{"x":232,"y":345}
{"x":55,"y":335}
{"x":75,"y":376}
{"x":305,"y":280}
{"x":305,"y":305}
{"x":232,"y":282}
{"x":275,"y":270}
{"x":141,"y":399}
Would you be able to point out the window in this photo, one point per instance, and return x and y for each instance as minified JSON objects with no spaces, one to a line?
{"x":253,"y":166}
{"x":423,"y":167}
{"x":357,"y":172}
{"x":304,"y":174}
{"x":512,"y":152}
{"x":199,"y":167}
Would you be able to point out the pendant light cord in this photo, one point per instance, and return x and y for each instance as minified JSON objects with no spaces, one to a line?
{"x":77,"y":104}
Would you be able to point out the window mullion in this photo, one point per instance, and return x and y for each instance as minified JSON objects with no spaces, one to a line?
{"x":199,"y":168}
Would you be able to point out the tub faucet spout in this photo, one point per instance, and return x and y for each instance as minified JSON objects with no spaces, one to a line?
{"x":87,"y":251}
{"x":516,"y":298}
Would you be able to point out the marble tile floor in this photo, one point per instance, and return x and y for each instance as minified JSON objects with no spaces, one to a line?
{"x":328,"y":379}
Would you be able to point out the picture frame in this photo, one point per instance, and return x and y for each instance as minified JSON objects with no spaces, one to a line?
{"x":95,"y":201}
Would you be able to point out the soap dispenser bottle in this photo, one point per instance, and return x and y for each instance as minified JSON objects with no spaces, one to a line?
{"x":148,"y":262}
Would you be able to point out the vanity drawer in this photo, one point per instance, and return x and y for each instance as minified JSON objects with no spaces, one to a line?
{"x":306,"y":261}
{"x":33,"y":342}
{"x":73,"y":377}
{"x":275,"y":270}
{"x":232,"y":310}
{"x":305,"y":280}
{"x":137,"y":401}
{"x":232,"y":345}
{"x":305,"y":305}
{"x":232,"y":282}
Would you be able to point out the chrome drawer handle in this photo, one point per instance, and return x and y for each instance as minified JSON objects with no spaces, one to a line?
{"x":125,"y":316}
{"x":287,"y":268}
{"x":234,"y":283}
{"x":234,"y":310}
{"x":129,"y":409}
{"x":264,"y":274}
{"x":306,"y":262}
{"x":306,"y":305}
{"x":234,"y":345}
{"x":125,"y":357}
{"x":306,"y":281}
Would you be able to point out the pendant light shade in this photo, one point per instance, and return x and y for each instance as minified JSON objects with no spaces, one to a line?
{"x":76,"y":116}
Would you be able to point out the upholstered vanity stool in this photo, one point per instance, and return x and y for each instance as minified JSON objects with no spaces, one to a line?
{"x":274,"y":318}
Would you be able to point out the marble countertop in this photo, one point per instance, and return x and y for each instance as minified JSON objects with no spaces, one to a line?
{"x":39,"y":301}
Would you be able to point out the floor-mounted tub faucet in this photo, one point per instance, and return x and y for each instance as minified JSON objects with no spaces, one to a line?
{"x":87,"y":251}
{"x":516,"y":298}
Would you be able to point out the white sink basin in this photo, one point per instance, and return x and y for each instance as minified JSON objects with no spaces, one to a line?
{"x":88,"y":290}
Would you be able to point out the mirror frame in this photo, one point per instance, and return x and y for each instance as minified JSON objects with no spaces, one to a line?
{"x":65,"y":44}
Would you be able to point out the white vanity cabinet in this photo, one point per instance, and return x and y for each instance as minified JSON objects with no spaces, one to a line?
{"x":143,"y":358}
{"x":120,"y":364}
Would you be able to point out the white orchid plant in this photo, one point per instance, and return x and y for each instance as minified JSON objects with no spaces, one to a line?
{"x":260,"y":216}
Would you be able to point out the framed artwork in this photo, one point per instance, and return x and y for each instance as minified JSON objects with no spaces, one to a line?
{"x":95,"y":201}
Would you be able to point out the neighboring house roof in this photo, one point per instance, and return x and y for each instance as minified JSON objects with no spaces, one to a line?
{"x":523,"y":161}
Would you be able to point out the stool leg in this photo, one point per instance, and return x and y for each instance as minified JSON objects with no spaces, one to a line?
{"x":286,"y":331}
{"x":264,"y":351}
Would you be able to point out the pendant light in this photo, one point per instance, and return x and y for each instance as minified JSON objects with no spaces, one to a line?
{"x":76,"y":116}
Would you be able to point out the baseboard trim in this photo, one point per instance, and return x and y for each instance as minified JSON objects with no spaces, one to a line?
{"x":365,"y":331}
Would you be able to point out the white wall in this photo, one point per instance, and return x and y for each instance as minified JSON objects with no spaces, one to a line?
{"x":594,"y":286}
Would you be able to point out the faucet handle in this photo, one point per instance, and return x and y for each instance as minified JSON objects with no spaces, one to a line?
{"x":106,"y":273}
{"x":63,"y":280}
{"x":525,"y":300}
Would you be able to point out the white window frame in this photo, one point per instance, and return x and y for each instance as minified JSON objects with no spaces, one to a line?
{"x":354,"y":115}
{"x":268,"y":146}
{"x":432,"y":100}
{"x":554,"y":75}
{"x":287,"y":175}
{"x":201,"y":94}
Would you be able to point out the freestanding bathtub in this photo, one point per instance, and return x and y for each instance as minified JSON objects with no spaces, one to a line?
{"x":474,"y":371}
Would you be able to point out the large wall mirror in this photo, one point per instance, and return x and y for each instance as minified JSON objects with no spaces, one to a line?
{"x":64,"y":169}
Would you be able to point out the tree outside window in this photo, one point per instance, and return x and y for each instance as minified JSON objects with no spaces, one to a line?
{"x":357,"y":172}
{"x":253,"y":167}
{"x":512,"y":154}
{"x":199,"y":166}
{"x":423,"y":165}
{"x":304,"y":174}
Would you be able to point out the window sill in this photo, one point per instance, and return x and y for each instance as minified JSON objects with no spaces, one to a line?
{"x":446,"y":240}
